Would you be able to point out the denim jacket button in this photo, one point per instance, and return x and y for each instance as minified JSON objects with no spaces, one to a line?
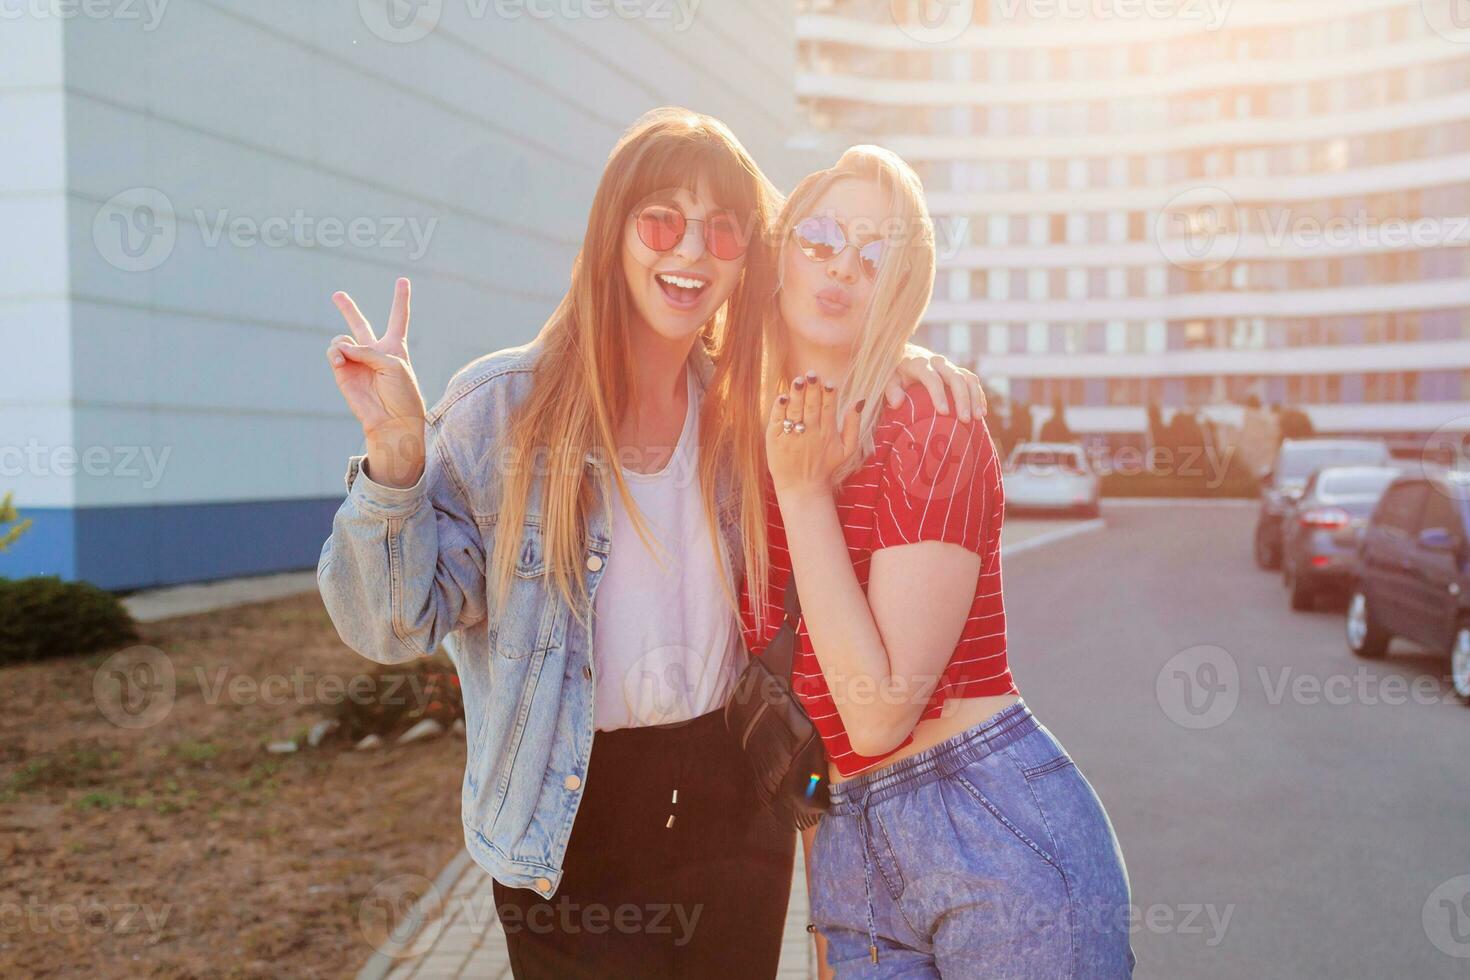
{"x":572,"y":782}
{"x":594,"y":563}
{"x":543,"y":884}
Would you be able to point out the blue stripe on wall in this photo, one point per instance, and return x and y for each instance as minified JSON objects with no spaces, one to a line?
{"x":146,"y":546}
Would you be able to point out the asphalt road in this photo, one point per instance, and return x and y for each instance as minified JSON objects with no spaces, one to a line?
{"x":1285,"y":810}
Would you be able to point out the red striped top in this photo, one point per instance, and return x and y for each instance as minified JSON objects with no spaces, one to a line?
{"x":930,"y":478}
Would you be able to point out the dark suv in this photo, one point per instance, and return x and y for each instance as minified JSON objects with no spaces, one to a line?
{"x":1282,"y":484}
{"x":1414,"y":572}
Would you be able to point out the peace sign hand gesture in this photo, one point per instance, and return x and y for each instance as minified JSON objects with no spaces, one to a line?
{"x":378,"y":383}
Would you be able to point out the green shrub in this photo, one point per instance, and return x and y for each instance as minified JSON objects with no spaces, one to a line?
{"x":45,"y":617}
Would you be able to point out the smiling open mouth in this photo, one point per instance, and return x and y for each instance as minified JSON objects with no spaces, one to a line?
{"x":681,"y":290}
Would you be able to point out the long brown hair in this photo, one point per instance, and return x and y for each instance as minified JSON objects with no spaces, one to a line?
{"x":582,"y":382}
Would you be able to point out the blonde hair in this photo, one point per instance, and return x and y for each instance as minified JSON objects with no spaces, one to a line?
{"x":583,"y":381}
{"x":900,"y":295}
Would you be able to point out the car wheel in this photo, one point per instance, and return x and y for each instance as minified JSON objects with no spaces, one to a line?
{"x":1268,"y":555}
{"x":1365,"y":638}
{"x":1460,"y":663}
{"x":1303,"y":597}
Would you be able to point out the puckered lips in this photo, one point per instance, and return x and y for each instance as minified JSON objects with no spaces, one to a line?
{"x":834,"y":301}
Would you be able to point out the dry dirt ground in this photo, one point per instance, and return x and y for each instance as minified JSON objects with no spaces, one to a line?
{"x":172,"y":844}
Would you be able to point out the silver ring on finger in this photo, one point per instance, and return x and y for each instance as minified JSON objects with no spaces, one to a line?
{"x":787,"y":425}
{"x":799,"y":428}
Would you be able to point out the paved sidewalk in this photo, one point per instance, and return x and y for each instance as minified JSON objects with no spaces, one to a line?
{"x":151,"y":605}
{"x":461,"y":936}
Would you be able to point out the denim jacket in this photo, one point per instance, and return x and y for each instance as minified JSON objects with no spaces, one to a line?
{"x":404,"y":569}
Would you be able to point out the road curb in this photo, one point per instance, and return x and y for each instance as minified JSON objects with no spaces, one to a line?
{"x":1178,"y":502}
{"x":1051,"y":537}
{"x":379,"y":963}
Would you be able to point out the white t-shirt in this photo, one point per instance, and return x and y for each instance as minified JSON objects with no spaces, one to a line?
{"x":665,"y":643}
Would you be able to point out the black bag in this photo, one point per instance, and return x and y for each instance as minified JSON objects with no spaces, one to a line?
{"x":771,"y":727}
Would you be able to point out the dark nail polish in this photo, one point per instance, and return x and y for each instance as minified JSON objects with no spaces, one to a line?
{"x":827,"y":385}
{"x":799,"y":383}
{"x":811,"y":375}
{"x":861,"y":403}
{"x":782,"y":399}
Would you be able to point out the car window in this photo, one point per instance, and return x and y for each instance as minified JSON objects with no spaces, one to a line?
{"x":1441,"y":510}
{"x":1299,"y":461}
{"x":1363,"y":483}
{"x":1400,"y":507}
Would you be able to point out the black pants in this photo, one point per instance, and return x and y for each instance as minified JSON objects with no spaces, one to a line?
{"x":640,"y":898}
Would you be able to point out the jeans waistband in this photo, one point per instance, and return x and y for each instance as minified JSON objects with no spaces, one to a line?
{"x":936,"y":762}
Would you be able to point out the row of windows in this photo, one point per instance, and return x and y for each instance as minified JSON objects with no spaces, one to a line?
{"x":1158,"y":336}
{"x":1141,"y":113}
{"x":1383,"y":268}
{"x":1242,"y":275}
{"x":1117,"y":227}
{"x":1331,"y":155}
{"x":1337,"y":36}
{"x":1293,"y":389}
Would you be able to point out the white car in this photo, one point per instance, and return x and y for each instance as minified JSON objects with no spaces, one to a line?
{"x":1050,"y":476}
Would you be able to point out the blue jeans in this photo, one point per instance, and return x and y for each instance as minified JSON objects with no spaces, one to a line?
{"x":986,"y":855}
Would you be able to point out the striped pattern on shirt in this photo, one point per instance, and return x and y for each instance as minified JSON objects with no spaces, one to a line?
{"x":930,"y":478}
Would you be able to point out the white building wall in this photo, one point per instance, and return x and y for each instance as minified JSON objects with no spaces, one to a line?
{"x":464,"y":158}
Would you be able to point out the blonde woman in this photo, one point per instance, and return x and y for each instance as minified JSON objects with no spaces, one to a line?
{"x":962,"y":841}
{"x":572,"y":514}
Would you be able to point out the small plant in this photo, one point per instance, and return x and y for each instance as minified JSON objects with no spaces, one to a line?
{"x":44,"y":617}
{"x":9,"y":515}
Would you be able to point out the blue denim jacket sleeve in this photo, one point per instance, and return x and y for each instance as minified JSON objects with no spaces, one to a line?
{"x":403,"y":567}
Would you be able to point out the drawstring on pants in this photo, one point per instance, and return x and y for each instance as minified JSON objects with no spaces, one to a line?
{"x":868,"y":876}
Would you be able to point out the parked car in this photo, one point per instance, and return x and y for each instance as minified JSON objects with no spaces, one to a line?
{"x":1051,"y":476}
{"x":1282,"y":484}
{"x":1321,"y":529}
{"x":1414,"y":572}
